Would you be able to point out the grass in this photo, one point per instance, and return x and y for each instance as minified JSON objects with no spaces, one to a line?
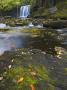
{"x":26,"y":78}
{"x":31,"y":71}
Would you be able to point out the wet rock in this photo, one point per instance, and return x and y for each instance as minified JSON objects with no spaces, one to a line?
{"x":52,"y":9}
{"x":56,"y":24}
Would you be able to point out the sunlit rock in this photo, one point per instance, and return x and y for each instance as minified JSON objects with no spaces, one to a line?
{"x":9,"y":66}
{"x":59,"y":57}
{"x":39,"y":26}
{"x":1,"y":78}
{"x":33,"y":73}
{"x":23,"y":53}
{"x":59,"y":50}
{"x":43,"y":52}
{"x":12,"y":60}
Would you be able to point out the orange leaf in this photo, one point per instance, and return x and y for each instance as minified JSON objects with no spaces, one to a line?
{"x":32,"y":87}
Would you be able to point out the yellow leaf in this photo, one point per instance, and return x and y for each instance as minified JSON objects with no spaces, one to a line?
{"x":20,"y":80}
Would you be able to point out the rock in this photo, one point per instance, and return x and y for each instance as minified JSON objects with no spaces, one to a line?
{"x":52,"y":9}
{"x":55,"y":24}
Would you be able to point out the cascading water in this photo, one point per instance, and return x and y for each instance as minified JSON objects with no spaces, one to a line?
{"x":24,"y":11}
{"x":2,"y":25}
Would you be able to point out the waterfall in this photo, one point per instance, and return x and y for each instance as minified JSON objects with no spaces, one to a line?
{"x":24,"y":11}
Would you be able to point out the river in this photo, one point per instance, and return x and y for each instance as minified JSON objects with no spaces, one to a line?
{"x":22,"y":46}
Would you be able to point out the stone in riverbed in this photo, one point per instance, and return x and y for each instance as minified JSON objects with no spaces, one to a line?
{"x":52,"y":9}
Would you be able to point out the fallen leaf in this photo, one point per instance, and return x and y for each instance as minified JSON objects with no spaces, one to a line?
{"x":32,"y":87}
{"x":20,"y":80}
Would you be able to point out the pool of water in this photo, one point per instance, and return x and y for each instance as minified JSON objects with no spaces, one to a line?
{"x":44,"y":40}
{"x":27,"y":49}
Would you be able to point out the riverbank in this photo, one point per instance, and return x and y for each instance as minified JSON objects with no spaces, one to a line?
{"x":32,"y":57}
{"x":48,"y":23}
{"x":25,"y":67}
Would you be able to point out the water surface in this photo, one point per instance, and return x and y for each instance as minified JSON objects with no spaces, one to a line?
{"x":42,"y":39}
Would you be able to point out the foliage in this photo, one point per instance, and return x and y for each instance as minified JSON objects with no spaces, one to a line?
{"x":9,"y":4}
{"x":32,"y":70}
{"x":18,"y":78}
{"x":38,"y":7}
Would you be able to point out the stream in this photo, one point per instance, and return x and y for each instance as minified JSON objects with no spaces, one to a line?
{"x":16,"y":39}
{"x":37,"y":46}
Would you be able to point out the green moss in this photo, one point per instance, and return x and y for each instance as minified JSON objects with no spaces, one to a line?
{"x":60,"y":13}
{"x":18,"y":78}
{"x":51,"y":87}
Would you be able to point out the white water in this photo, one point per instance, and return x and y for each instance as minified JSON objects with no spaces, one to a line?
{"x":36,"y":26}
{"x":2,"y":25}
{"x":24,"y":11}
{"x":31,"y":25}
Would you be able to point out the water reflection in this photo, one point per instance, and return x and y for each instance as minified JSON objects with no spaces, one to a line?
{"x":45,"y":40}
{"x":10,"y":42}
